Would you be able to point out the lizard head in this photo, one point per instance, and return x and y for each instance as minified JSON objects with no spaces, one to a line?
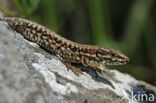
{"x":111,"y":56}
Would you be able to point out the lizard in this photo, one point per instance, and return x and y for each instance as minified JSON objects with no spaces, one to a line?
{"x":71,"y":52}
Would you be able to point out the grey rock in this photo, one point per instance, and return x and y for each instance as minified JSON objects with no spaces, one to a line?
{"x":28,"y":74}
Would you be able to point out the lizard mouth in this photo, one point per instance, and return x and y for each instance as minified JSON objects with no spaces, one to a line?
{"x":115,"y":62}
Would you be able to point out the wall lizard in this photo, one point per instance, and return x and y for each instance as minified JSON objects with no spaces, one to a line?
{"x":72,"y":53}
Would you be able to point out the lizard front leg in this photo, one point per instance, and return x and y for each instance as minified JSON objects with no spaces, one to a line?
{"x":93,"y":65}
{"x":73,"y":68}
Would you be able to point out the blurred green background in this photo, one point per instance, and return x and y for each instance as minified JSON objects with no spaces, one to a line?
{"x":126,"y":25}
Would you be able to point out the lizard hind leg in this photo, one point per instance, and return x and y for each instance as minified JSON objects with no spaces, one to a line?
{"x":77,"y":71}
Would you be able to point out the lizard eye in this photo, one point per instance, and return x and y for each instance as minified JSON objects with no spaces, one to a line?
{"x":113,"y":55}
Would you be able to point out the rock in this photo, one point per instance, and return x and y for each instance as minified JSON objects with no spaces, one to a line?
{"x":28,"y":74}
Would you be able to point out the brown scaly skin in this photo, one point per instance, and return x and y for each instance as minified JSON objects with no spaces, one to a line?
{"x":71,"y":52}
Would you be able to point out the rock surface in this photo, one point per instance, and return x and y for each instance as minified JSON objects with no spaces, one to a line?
{"x":28,"y":74}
